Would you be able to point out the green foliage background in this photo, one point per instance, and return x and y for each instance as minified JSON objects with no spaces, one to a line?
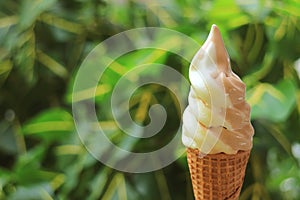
{"x":42,"y":44}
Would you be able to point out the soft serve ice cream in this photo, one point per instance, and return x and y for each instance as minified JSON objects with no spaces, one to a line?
{"x":217,"y":118}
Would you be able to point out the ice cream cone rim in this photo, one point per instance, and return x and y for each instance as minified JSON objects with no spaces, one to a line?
{"x":220,"y":153}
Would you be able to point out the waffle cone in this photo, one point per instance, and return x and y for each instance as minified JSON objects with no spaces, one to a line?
{"x":217,"y":176}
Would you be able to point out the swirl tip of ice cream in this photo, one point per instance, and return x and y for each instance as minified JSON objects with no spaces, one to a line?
{"x":217,"y":118}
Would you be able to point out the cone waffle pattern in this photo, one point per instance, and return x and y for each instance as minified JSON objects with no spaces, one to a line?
{"x":217,"y":176}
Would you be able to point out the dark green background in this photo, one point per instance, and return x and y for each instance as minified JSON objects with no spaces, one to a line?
{"x":42,"y":44}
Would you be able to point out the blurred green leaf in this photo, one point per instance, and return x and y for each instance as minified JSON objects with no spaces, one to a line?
{"x":220,"y":13}
{"x":25,"y":58}
{"x":97,"y":184}
{"x":5,"y":68}
{"x":52,"y":124}
{"x":117,"y":187}
{"x":258,"y":9}
{"x":8,"y":21}
{"x":117,"y":13}
{"x":8,"y":142}
{"x":33,"y":192}
{"x":30,"y":158}
{"x":61,"y":23}
{"x":285,"y":173}
{"x":272,"y":102}
{"x":51,"y":64}
{"x":291,"y":7}
{"x":31,"y":9}
{"x":260,"y":73}
{"x":5,"y":176}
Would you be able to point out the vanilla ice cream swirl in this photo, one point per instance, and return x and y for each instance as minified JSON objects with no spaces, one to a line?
{"x":217,"y":118}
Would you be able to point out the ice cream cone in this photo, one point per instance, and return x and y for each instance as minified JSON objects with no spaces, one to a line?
{"x":217,"y":176}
